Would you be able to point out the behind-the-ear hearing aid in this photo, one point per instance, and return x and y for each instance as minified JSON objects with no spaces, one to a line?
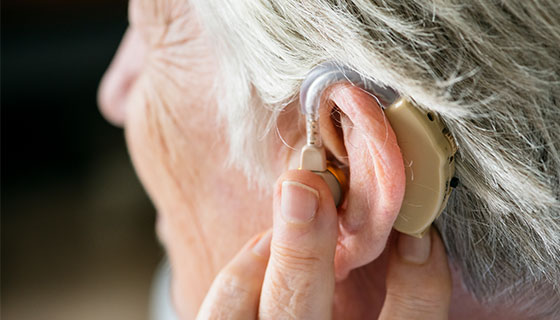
{"x":427,"y":148}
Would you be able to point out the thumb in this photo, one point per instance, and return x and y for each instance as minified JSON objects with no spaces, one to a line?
{"x":299,"y":280}
{"x":418,"y":279}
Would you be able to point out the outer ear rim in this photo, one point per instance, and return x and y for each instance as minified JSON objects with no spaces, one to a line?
{"x":377,"y":169}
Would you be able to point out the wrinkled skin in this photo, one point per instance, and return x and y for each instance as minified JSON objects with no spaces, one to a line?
{"x":160,"y":88}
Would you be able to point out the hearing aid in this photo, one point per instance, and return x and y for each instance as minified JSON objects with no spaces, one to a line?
{"x":427,"y":147}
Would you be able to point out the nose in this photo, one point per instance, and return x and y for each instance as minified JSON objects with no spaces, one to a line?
{"x":120,"y":77}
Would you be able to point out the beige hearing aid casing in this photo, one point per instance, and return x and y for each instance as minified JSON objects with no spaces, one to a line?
{"x":428,"y":149}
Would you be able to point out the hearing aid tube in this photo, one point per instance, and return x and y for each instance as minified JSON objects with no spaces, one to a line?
{"x":329,"y":73}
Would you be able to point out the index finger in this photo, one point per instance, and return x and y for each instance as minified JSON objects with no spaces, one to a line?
{"x":299,"y":280}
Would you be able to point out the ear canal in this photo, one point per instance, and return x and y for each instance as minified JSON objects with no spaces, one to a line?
{"x":331,"y":130}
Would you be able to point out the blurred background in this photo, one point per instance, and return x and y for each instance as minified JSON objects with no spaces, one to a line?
{"x":77,"y":230}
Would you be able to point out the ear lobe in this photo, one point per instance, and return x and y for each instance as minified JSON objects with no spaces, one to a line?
{"x":376,"y":179}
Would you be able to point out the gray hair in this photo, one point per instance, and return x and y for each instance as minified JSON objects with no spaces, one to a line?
{"x":490,"y":69}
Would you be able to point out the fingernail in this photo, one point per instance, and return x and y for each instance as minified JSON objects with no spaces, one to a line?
{"x":299,"y":202}
{"x":414,"y":250}
{"x":262,"y":247}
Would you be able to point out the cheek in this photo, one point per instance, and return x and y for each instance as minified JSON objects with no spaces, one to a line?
{"x":170,"y":154}
{"x":180,"y":156}
{"x":206,"y":210}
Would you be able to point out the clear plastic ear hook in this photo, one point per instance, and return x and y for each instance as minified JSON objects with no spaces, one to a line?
{"x":325,"y":75}
{"x":313,"y":155}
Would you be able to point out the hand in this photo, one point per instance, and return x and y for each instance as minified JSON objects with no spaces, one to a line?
{"x":288,"y":272}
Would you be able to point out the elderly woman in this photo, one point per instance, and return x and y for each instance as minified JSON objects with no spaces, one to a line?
{"x":207,"y":93}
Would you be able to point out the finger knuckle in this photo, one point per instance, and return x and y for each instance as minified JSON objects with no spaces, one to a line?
{"x":289,"y":296}
{"x":295,"y":259}
{"x":232,"y":288}
{"x":292,"y":281}
{"x":290,"y":286}
{"x":417,"y":303}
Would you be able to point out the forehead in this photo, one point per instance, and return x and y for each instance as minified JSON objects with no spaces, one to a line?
{"x":157,"y":12}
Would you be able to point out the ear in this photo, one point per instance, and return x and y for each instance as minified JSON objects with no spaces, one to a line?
{"x":360,"y":136}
